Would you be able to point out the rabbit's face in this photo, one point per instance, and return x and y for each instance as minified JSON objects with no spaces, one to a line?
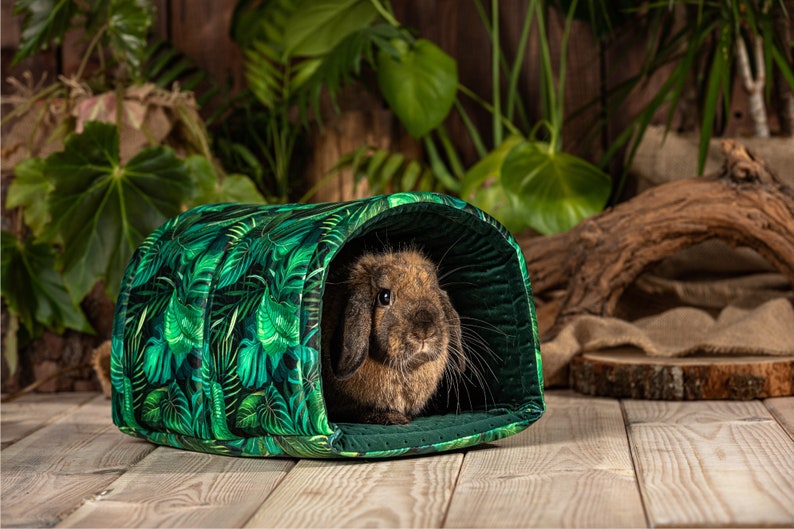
{"x":410,"y":326}
{"x":398,"y":336}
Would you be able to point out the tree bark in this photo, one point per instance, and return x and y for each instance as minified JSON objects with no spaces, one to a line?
{"x":744,"y":205}
{"x":634,"y":375}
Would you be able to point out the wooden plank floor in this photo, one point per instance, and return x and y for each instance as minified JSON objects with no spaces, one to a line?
{"x":589,"y":462}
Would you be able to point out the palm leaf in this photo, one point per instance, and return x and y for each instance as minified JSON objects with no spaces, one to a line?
{"x":718,"y":83}
{"x":220,"y":428}
{"x":299,"y":446}
{"x":164,"y":65}
{"x":385,"y":171}
{"x":262,"y":446}
{"x":343,"y":63}
{"x":271,"y":75}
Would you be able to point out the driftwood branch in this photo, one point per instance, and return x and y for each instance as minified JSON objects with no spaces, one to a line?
{"x":744,"y":205}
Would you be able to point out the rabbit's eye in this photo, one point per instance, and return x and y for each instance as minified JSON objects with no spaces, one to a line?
{"x":384,"y":297}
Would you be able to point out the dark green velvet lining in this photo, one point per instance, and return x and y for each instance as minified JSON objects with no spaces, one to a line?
{"x":485,"y":282}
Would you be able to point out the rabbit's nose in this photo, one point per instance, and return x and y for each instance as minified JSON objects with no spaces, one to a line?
{"x":425,"y":323}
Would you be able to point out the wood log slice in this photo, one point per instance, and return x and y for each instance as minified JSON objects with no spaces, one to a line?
{"x":630,"y":373}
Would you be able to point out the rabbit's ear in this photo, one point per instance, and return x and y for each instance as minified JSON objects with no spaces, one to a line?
{"x":456,"y":355}
{"x":356,"y":327}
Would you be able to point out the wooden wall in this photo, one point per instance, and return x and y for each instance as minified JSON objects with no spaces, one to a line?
{"x":197,"y":27}
{"x":200,"y":29}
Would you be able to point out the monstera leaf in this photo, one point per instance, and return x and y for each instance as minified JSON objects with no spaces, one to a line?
{"x":184,"y":327}
{"x":277,"y":324}
{"x":102,"y":210}
{"x":482,"y":186}
{"x":558,"y":190}
{"x":34,"y":291}
{"x":419,"y":84}
{"x":319,"y":25}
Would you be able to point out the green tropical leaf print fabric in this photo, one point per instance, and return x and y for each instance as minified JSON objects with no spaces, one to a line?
{"x":216,"y":340}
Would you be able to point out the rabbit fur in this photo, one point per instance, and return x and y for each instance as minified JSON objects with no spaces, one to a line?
{"x":389,"y":334}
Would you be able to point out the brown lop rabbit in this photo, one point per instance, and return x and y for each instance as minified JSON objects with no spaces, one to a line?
{"x":389,"y":334}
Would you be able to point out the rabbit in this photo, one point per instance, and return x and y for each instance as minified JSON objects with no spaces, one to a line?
{"x":388,"y":335}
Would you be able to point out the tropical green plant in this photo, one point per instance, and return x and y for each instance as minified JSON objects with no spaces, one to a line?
{"x":386,"y":171}
{"x":704,"y":45}
{"x":118,"y":30}
{"x":84,"y":208}
{"x":540,"y":185}
{"x":527,"y":180}
{"x":295,"y":50}
{"x":267,"y":146}
{"x":86,"y":212}
{"x":263,"y":132}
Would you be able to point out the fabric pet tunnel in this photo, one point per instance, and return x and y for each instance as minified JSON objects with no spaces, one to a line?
{"x":216,"y":339}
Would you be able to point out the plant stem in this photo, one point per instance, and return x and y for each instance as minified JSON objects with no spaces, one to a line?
{"x":319,"y":185}
{"x":449,"y":149}
{"x":566,"y":37}
{"x":512,"y":84}
{"x":474,"y":134}
{"x":385,"y":13}
{"x":548,"y":96}
{"x":518,"y":103}
{"x":487,"y":106}
{"x":496,"y":85}
{"x":91,"y":45}
{"x":440,"y":170}
{"x":30,"y":101}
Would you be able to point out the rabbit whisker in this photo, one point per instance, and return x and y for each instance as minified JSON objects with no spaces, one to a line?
{"x":477,"y":371}
{"x":449,"y":248}
{"x":451,"y":271}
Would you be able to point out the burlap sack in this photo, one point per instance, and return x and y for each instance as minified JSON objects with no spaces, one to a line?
{"x":666,"y":156}
{"x":724,"y":302}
